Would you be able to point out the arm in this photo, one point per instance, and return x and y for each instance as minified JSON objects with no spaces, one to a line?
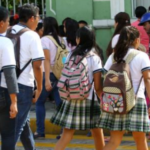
{"x":47,"y":66}
{"x":38,"y":73}
{"x":146,"y":76}
{"x":12,"y":86}
{"x":97,"y":83}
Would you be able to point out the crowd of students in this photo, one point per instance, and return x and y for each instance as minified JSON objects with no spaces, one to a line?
{"x":39,"y":43}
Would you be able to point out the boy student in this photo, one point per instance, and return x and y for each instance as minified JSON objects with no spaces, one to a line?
{"x":8,"y":86}
{"x":30,"y":49}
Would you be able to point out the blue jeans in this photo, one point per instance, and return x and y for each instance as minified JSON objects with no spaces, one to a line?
{"x":40,"y":104}
{"x":23,"y":130}
{"x":7,"y":125}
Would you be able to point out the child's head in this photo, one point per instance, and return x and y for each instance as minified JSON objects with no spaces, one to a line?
{"x":4,"y":19}
{"x":85,"y":39}
{"x":39,"y":29}
{"x":129,"y":37}
{"x":122,"y":19}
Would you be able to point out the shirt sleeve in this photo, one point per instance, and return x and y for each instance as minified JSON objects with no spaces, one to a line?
{"x":96,"y":64}
{"x":145,"y":62}
{"x":115,"y":40}
{"x":8,"y":58}
{"x":36,"y":49}
{"x":108,"y":63}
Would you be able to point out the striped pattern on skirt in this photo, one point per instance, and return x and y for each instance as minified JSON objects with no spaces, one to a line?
{"x":136,"y":120}
{"x":75,"y":114}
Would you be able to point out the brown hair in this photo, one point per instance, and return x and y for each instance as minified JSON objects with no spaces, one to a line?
{"x":123,"y":19}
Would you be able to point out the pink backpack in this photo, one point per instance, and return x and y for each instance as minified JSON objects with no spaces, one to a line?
{"x":74,"y":82}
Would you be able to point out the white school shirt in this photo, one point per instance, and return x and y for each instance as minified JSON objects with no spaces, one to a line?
{"x":94,"y":66}
{"x":115,"y":40}
{"x":139,"y":64}
{"x":30,"y":48}
{"x":7,"y":58}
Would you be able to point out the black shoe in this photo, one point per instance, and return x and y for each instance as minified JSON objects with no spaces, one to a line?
{"x":38,"y":136}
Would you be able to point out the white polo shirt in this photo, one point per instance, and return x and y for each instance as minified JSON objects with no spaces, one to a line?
{"x":30,"y":48}
{"x":7,"y":58}
{"x":139,"y":64}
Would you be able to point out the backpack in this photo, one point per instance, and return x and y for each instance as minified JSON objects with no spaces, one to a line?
{"x":74,"y":82}
{"x":118,"y":93}
{"x":60,"y":58}
{"x":15,"y":38}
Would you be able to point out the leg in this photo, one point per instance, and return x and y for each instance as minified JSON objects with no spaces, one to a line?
{"x":55,"y":90}
{"x":27,"y":137}
{"x":140,"y":140}
{"x":7,"y":125}
{"x":24,"y":105}
{"x":40,"y":111}
{"x":65,"y":139}
{"x":98,"y":138}
{"x":115,"y":140}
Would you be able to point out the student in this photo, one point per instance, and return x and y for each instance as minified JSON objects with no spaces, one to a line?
{"x":30,"y":49}
{"x":82,"y":23}
{"x":8,"y":86}
{"x":122,"y":19}
{"x":136,"y":120}
{"x":39,"y":28}
{"x":70,"y":27}
{"x":139,"y":12}
{"x":49,"y":80}
{"x":80,"y":109}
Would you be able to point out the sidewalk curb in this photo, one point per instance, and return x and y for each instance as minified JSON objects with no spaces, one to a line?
{"x":54,"y":129}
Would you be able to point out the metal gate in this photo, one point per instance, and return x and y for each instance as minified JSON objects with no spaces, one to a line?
{"x":21,"y":2}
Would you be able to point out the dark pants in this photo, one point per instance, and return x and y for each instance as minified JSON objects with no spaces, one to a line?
{"x":7,"y":125}
{"x":40,"y":104}
{"x":23,"y":130}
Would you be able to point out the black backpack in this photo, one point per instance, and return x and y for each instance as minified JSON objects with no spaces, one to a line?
{"x":15,"y":38}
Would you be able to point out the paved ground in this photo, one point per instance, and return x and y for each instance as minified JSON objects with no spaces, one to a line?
{"x":79,"y":143}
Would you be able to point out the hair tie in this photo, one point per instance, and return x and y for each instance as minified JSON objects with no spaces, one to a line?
{"x":16,"y":16}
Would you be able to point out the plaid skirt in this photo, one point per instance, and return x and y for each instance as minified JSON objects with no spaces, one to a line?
{"x":75,"y":114}
{"x":136,"y":120}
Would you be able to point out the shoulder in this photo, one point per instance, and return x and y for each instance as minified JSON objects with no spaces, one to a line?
{"x":6,"y":42}
{"x":115,"y":40}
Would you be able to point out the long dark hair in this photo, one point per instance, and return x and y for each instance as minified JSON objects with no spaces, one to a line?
{"x":71,"y":29}
{"x":87,"y":41}
{"x":126,"y":39}
{"x":51,"y":28}
{"x":123,"y":19}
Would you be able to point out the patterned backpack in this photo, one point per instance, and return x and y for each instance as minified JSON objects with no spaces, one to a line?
{"x":74,"y":83}
{"x":118,"y":93}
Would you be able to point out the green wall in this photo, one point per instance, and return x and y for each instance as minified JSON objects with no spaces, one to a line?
{"x":88,"y":10}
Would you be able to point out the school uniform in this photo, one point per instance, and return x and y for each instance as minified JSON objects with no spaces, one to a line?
{"x":30,"y":49}
{"x":75,"y":114}
{"x":137,"y":118}
{"x":7,"y":125}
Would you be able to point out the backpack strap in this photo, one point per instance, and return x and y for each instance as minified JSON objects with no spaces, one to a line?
{"x":11,"y":35}
{"x":131,"y":56}
{"x":53,"y":40}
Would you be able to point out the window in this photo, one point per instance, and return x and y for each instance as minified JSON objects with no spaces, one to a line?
{"x":135,"y":3}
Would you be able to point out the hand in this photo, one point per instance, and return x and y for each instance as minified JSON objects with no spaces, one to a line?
{"x":13,"y":110}
{"x":37,"y":94}
{"x":48,"y":86}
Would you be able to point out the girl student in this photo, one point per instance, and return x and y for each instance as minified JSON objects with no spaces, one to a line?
{"x":122,"y":19}
{"x":136,"y":120}
{"x":81,"y":108}
{"x":50,"y":27}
